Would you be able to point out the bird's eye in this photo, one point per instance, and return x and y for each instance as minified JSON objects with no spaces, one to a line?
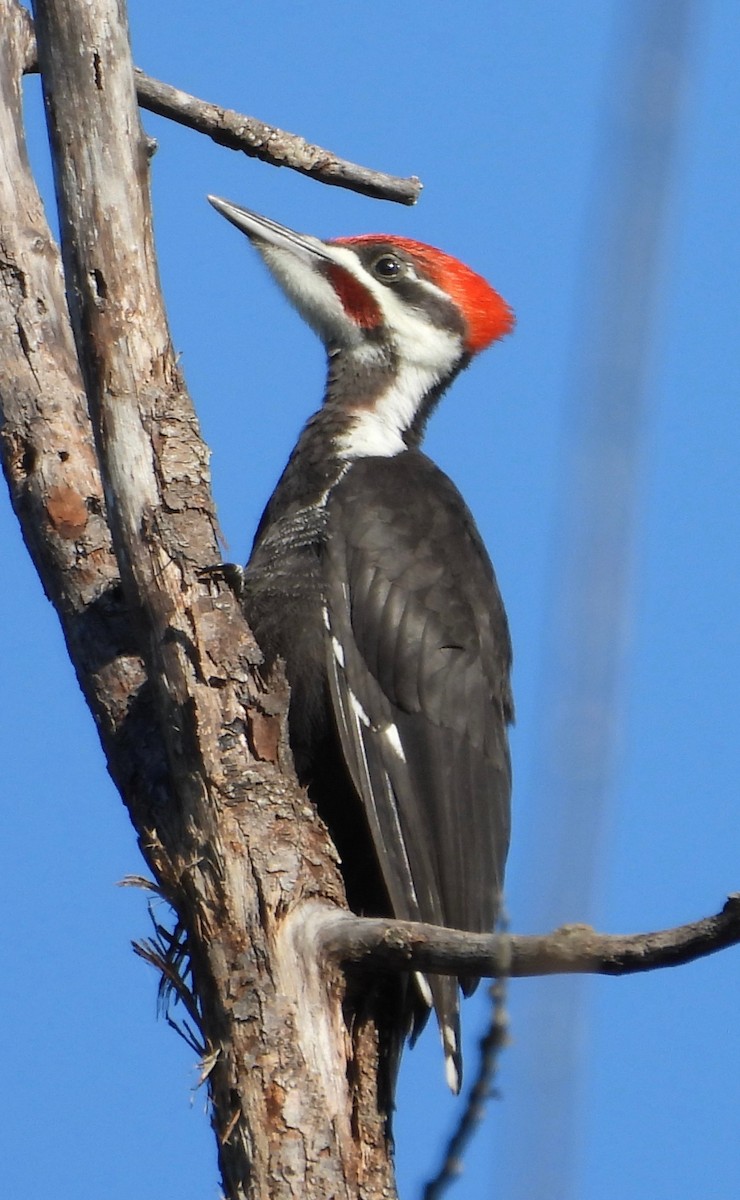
{"x":388,"y":267}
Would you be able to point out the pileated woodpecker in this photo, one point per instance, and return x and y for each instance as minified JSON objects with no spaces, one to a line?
{"x":369,"y":579}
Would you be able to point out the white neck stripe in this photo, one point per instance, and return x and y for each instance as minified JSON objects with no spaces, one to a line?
{"x":377,"y":431}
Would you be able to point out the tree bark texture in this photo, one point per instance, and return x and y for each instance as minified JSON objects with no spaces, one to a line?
{"x":109,"y":478}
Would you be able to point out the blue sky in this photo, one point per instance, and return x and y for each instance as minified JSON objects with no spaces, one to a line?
{"x":503,"y":111}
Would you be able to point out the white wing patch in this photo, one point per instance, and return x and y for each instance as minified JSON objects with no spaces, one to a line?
{"x":336,"y":646}
{"x":357,"y":708}
{"x":390,"y":733}
{"x":424,"y":989}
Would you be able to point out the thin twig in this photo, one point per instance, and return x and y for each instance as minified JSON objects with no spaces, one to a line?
{"x":491,"y":1045}
{"x":573,"y":949}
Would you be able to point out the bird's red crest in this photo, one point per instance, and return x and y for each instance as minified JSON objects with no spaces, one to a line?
{"x":488,"y":315}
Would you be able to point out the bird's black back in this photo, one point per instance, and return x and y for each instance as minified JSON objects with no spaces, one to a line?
{"x":383,"y":603}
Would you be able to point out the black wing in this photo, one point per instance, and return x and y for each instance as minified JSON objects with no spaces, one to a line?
{"x":419,"y":656}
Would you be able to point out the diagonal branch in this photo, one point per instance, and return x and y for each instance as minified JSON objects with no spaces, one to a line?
{"x":259,"y":140}
{"x":571,"y":950}
{"x":269,"y":144}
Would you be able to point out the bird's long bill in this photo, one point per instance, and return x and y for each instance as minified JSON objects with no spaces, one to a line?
{"x":262,"y":229}
{"x":304,"y":267}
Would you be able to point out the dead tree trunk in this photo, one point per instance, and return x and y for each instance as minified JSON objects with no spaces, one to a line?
{"x":109,"y":478}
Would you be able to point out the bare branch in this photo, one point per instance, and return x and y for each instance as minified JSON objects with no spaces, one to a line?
{"x":256,"y":139}
{"x":573,"y":949}
{"x":269,"y":144}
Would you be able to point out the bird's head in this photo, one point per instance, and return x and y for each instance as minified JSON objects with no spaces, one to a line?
{"x":408,"y":316}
